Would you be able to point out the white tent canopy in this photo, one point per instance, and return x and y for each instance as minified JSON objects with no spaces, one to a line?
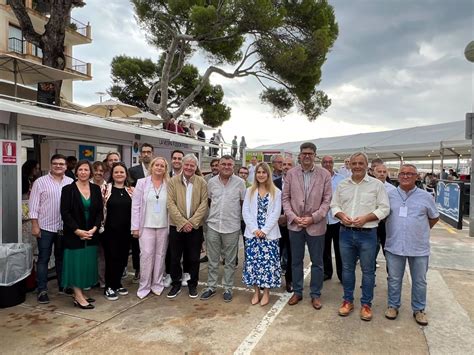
{"x":414,"y":143}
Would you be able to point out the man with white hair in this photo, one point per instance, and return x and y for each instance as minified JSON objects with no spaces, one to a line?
{"x":345,"y":170}
{"x":187,"y":207}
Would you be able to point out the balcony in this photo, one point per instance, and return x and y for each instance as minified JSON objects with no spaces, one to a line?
{"x":28,"y":50}
{"x":77,"y":32}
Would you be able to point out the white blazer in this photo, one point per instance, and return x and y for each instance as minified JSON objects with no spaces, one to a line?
{"x":249,"y":213}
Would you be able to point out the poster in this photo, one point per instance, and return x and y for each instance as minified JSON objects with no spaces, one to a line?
{"x":86,"y":152}
{"x":9,"y":152}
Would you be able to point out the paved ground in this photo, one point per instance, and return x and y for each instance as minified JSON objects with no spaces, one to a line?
{"x":183,"y":325}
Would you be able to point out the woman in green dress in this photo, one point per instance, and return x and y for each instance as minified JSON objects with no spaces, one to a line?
{"x":81,"y":211}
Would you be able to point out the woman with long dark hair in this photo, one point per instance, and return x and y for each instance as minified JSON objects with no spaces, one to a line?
{"x":117,"y":234}
{"x":261,"y":210}
{"x":81,"y":211}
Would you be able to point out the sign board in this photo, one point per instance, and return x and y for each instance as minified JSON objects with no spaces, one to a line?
{"x":449,"y":203}
{"x":9,"y":152}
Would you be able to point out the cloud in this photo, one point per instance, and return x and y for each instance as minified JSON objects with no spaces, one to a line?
{"x":395,"y":64}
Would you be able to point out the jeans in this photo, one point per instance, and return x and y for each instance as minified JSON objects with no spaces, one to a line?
{"x":418,"y":269}
{"x":45,"y":246}
{"x":227,"y":245}
{"x":363,"y":245}
{"x":315,"y":248}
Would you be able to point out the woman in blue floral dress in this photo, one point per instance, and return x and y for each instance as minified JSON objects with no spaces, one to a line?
{"x":261,"y":210}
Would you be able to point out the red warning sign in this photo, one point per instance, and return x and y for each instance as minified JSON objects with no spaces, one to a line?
{"x":9,"y":150}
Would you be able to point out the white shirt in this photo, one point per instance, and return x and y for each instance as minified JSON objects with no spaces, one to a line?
{"x":189,"y":196}
{"x":145,"y":170}
{"x":156,"y":214}
{"x":251,"y":173}
{"x":358,"y":199}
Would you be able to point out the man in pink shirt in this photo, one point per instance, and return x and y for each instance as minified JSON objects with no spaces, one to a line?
{"x":45,"y":215}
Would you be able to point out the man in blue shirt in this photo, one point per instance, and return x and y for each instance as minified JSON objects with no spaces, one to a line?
{"x":332,"y":231}
{"x":412,"y":214}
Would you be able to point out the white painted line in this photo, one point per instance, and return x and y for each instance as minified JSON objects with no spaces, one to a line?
{"x":465,"y":221}
{"x":243,"y":289}
{"x":259,"y":331}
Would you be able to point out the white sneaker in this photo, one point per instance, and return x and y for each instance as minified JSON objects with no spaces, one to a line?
{"x":184,"y":281}
{"x":167,"y":280}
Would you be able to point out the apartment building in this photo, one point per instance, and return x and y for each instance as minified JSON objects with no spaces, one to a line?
{"x":13,"y":43}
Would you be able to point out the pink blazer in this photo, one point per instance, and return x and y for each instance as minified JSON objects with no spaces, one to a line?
{"x":319,"y":198}
{"x":139,"y":203}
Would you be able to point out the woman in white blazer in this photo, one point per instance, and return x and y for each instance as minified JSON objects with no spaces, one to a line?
{"x":261,"y":210}
{"x":150,"y":225}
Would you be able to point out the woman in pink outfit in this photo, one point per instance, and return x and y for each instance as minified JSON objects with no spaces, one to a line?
{"x":150,"y":225}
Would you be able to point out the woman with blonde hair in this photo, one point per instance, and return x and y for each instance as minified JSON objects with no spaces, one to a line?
{"x":261,"y":210}
{"x":150,"y":225}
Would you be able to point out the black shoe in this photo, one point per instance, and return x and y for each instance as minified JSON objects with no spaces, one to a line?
{"x":66,"y":291}
{"x":207,"y":294}
{"x":122,"y":291}
{"x":90,"y":299}
{"x":175,"y":290}
{"x":327,"y":277}
{"x":88,"y":306}
{"x":204,"y":259}
{"x":43,"y":297}
{"x":192,"y":291}
{"x":289,"y":287}
{"x":110,"y":294}
{"x":227,"y":296}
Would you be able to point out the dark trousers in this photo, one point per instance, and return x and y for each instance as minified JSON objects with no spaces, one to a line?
{"x":332,"y":235}
{"x":381,"y":237}
{"x":116,"y":249}
{"x":186,"y":246}
{"x":168,"y":262}
{"x":286,"y":247}
{"x":135,"y":254}
{"x":45,"y":247}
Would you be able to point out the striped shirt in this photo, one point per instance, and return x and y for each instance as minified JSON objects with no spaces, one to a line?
{"x":45,"y":201}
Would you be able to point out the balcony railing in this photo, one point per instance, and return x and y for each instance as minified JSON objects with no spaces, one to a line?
{"x":21,"y":46}
{"x":76,"y":65}
{"x":78,"y":26}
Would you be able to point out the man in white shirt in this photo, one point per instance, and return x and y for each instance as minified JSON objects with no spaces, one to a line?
{"x":251,"y":167}
{"x":359,"y":203}
{"x":345,"y":170}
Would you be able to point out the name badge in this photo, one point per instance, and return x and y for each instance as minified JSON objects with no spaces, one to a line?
{"x":403,"y":211}
{"x":157,"y":208}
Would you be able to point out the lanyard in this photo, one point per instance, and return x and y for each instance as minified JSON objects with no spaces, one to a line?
{"x":408,"y":196}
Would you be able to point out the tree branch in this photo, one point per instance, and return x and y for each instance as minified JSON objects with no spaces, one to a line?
{"x":26,"y":25}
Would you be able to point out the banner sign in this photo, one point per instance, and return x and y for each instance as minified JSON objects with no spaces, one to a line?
{"x":449,"y":204}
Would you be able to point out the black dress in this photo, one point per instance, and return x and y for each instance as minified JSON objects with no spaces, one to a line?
{"x":117,"y":233}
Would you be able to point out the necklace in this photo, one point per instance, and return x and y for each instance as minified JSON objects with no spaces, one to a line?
{"x":157,"y":194}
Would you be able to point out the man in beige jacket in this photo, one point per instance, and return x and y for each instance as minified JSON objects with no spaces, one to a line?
{"x":187,"y":207}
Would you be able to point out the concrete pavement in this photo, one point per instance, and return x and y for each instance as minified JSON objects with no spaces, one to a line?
{"x":185,"y":325}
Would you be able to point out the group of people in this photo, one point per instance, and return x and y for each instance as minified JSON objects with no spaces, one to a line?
{"x":172,"y":210}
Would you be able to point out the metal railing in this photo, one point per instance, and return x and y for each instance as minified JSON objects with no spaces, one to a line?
{"x":78,"y":26}
{"x":16,"y":45}
{"x":76,"y":65}
{"x":19,"y":46}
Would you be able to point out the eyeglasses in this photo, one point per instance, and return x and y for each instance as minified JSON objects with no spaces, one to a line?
{"x":407,"y":174}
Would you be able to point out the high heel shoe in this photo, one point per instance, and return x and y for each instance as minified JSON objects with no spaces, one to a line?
{"x":90,"y":299}
{"x":88,"y":306}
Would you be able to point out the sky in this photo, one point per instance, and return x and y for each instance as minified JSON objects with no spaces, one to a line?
{"x":395,"y":64}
